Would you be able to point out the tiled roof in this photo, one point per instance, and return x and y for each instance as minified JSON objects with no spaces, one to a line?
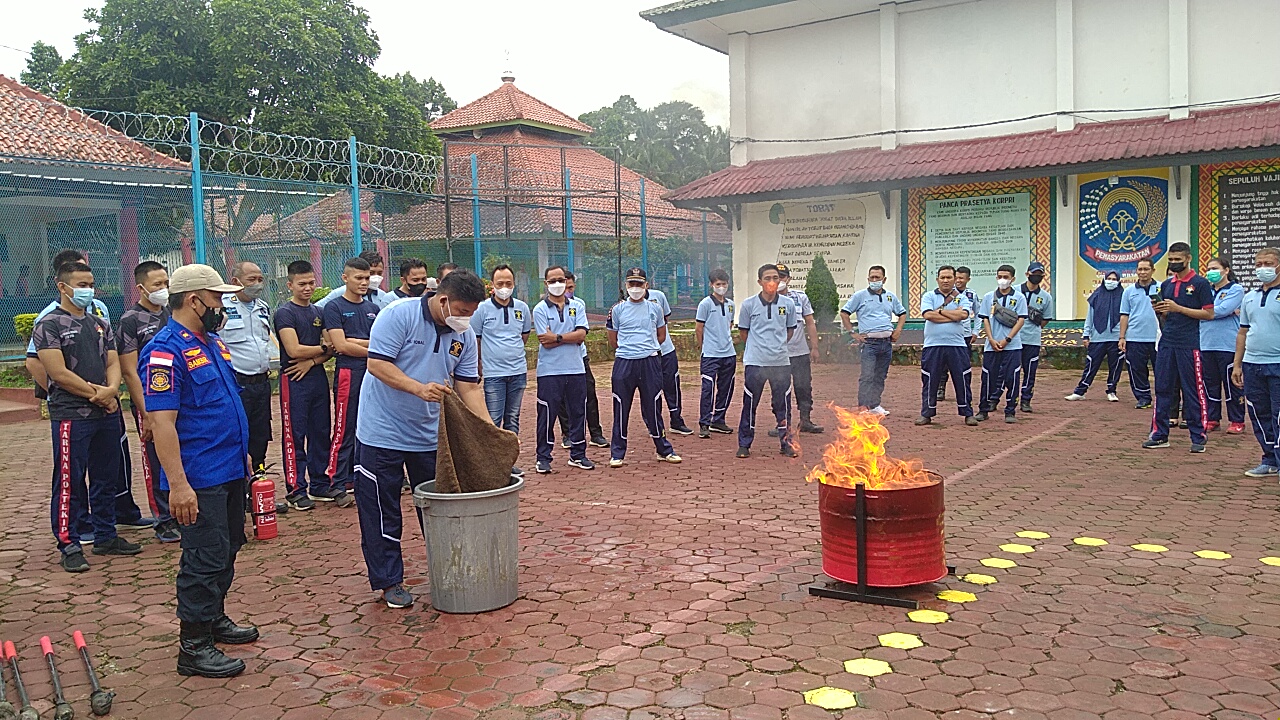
{"x":508,"y":105}
{"x":1096,"y":146}
{"x":33,"y":125}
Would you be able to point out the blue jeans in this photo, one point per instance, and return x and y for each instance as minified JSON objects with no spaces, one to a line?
{"x":876,"y":355}
{"x":1262,"y":395}
{"x":503,"y":396}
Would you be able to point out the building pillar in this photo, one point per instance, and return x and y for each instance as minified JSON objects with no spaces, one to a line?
{"x":739,"y":105}
{"x":1065,"y":46}
{"x":889,"y":76}
{"x":1179,"y":65}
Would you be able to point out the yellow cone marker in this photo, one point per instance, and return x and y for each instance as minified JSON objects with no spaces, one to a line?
{"x":829,"y":698}
{"x":867,"y":667}
{"x":931,"y":617}
{"x":1090,"y":541}
{"x":978,"y":579}
{"x":1273,"y":561}
{"x":957,"y":596}
{"x":900,"y":641}
{"x":1033,"y":535}
{"x":999,"y":563}
{"x":1017,"y":548}
{"x":1147,"y":547}
{"x":1212,"y":554}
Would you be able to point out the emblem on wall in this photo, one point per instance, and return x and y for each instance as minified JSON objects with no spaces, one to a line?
{"x":1124,"y":222}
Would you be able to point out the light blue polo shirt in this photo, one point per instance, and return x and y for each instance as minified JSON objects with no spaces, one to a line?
{"x":876,"y":312}
{"x":501,"y":330}
{"x":547,"y":317}
{"x":717,"y":327}
{"x":99,"y":309}
{"x":637,"y":326}
{"x":799,"y":343}
{"x":379,"y":298}
{"x":1260,"y":312}
{"x":766,"y":324}
{"x":1015,"y":302}
{"x":1220,"y":333}
{"x":972,"y":326}
{"x":405,"y":334}
{"x":659,"y":298}
{"x":1091,"y":333}
{"x":946,"y":334}
{"x":1144,"y":326}
{"x":1031,"y":333}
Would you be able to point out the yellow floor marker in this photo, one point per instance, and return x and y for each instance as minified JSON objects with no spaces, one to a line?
{"x":900,"y":641}
{"x":931,"y":617}
{"x":1001,"y":563}
{"x":1212,"y":554}
{"x":978,"y":579}
{"x":1273,"y":561}
{"x":1017,"y":548}
{"x":1033,"y":535}
{"x":867,"y":667}
{"x":1147,"y":547}
{"x":1090,"y":541}
{"x":829,"y":698}
{"x":957,"y":596}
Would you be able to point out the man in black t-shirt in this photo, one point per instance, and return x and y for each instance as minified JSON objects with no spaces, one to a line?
{"x":1185,"y":300}
{"x":137,"y":326}
{"x":348,"y":319}
{"x":77,"y":351}
{"x":304,"y":388}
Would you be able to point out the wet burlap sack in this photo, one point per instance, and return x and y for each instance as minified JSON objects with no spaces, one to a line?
{"x":473,"y":454}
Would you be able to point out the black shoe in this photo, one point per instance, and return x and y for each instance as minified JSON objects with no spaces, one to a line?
{"x":139,"y":524}
{"x":226,"y":631}
{"x":681,"y":429}
{"x":788,"y":451}
{"x":197,"y":655}
{"x":117,"y":546}
{"x":808,"y":427}
{"x":282,"y":508}
{"x":773,"y":432}
{"x":516,"y":472}
{"x":1010,"y":419}
{"x":74,"y":562}
{"x":598,"y":440}
{"x":167,"y":532}
{"x":300,"y":502}
{"x":922,"y":420}
{"x":743,"y":452}
{"x":971,"y":421}
{"x":981,"y":417}
{"x":704,"y":431}
{"x":1142,"y":406}
{"x":1182,"y":424}
{"x":721,"y":428}
{"x":1025,"y":407}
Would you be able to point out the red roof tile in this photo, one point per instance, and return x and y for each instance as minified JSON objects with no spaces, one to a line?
{"x":33,"y":125}
{"x":1252,"y":127}
{"x":508,"y":105}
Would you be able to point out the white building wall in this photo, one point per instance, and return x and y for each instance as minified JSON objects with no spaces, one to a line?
{"x":1121,"y":57}
{"x":1233,"y":48}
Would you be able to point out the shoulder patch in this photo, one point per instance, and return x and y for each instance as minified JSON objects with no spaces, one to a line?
{"x":223,"y":351}
{"x":162,"y":359}
{"x":455,"y":348}
{"x":159,"y":379}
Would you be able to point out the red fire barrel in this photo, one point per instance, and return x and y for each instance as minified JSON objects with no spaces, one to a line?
{"x":904,"y":535}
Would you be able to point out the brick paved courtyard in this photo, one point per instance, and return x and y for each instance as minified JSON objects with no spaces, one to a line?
{"x":678,"y":592}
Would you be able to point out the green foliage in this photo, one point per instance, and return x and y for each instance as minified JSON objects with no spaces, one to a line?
{"x":297,"y":67}
{"x":427,"y":95}
{"x":670,"y":143}
{"x":15,"y":377}
{"x":24,"y":324}
{"x":820,"y":286}
{"x":491,"y":260}
{"x":42,"y":68}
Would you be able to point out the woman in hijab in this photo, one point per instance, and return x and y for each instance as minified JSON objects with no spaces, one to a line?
{"x":1218,"y":348}
{"x":1102,"y":337}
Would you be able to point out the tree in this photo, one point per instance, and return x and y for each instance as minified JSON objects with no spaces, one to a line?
{"x":670,"y":143}
{"x":820,"y":286}
{"x":42,"y":68}
{"x":427,"y":95}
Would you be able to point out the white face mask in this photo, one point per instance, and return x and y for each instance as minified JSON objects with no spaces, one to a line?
{"x":159,"y":297}
{"x":503,"y":293}
{"x":636,"y":293}
{"x":782,"y":286}
{"x":1111,"y":284}
{"x":375,"y":282}
{"x":456,"y":324}
{"x":720,"y":290}
{"x":1003,"y":283}
{"x":556,"y":289}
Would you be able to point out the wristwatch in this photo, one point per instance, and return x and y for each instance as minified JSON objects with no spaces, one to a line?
{"x":558,"y":338}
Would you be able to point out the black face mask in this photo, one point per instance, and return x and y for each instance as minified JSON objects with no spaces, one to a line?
{"x":1177,"y":267}
{"x":416,"y":289}
{"x":211,"y":318}
{"x":1036,"y":279}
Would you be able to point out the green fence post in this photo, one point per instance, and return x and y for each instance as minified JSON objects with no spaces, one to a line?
{"x":356,"y":231}
{"x":197,"y":188}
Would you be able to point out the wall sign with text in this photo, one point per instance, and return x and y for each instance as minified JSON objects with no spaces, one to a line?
{"x":1239,"y":212}
{"x":835,"y":229}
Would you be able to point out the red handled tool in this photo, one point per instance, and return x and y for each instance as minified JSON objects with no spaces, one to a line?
{"x":11,"y":654}
{"x":100,"y":700}
{"x":6,"y":708}
{"x":62,"y":709}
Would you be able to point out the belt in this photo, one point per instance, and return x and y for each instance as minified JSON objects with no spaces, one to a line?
{"x":246,"y":379}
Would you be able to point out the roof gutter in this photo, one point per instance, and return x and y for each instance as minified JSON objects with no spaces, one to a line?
{"x":683,"y":16}
{"x":716,"y":204}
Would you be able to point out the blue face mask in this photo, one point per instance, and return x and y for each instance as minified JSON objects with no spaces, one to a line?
{"x":876,"y":285}
{"x":1265,"y":274}
{"x":82,"y":297}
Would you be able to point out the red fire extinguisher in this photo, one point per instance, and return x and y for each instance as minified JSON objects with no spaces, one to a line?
{"x":262,"y":496}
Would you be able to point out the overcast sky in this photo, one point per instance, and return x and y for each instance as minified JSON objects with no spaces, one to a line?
{"x":576,"y":55}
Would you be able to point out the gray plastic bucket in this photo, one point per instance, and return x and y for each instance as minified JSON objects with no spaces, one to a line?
{"x":472,"y":546}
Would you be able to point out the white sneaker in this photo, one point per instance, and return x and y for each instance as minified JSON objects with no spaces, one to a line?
{"x":672,"y":458}
{"x":1073,"y":397}
{"x":879,"y":410}
{"x":615,"y":462}
{"x":1111,"y":397}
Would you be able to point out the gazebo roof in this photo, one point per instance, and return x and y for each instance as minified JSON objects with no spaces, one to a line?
{"x":508,"y":106}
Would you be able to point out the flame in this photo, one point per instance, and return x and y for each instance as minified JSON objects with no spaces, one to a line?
{"x":857,"y":455}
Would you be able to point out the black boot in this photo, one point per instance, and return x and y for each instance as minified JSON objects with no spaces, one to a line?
{"x":226,"y":631}
{"x":197,"y":654}
{"x":807,"y":426}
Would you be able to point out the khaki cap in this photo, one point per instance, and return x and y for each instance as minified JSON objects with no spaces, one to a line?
{"x":199,"y":277}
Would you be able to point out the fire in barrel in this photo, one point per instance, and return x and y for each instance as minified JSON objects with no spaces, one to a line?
{"x":904,"y":508}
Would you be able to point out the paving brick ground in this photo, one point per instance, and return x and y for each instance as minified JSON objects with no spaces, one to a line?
{"x":678,"y":592}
